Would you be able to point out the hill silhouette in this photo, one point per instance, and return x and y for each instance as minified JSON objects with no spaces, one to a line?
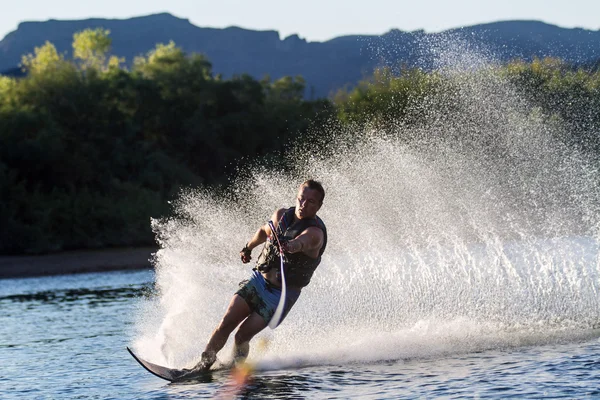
{"x":326,"y":66}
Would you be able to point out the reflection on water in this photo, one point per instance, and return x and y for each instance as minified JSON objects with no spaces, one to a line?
{"x":85,"y":295}
{"x":295,"y":386}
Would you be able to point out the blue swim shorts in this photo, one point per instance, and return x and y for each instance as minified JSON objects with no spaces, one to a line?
{"x":263,"y":298}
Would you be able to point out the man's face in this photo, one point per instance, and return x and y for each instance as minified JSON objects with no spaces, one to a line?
{"x":308,"y":202}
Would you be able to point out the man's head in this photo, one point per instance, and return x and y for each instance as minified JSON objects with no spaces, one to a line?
{"x":310,"y":199}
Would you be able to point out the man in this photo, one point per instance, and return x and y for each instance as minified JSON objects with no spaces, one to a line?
{"x":303,"y":237}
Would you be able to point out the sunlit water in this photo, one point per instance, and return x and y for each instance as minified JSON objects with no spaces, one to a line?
{"x":65,"y":337}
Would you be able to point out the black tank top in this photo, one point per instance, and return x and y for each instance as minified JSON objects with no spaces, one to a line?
{"x":298,"y":267}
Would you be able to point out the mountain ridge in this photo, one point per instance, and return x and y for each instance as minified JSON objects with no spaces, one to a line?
{"x":326,"y":66}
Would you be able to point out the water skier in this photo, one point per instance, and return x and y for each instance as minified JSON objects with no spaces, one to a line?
{"x":303,"y":238}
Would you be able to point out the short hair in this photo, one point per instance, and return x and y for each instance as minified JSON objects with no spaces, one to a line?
{"x":315,"y":185}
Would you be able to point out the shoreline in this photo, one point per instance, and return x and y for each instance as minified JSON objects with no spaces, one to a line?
{"x":75,"y":262}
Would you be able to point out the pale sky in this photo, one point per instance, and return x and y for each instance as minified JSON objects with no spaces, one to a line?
{"x":316,"y":20}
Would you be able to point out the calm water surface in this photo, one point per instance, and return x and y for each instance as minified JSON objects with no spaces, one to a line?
{"x":65,"y":337}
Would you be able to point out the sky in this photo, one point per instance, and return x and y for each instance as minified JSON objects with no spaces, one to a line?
{"x":316,"y":20}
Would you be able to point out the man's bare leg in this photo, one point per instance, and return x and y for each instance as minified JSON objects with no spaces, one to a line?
{"x":237,"y":311}
{"x":249,"y":328}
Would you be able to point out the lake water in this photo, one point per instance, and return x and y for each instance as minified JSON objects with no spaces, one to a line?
{"x":65,"y":337}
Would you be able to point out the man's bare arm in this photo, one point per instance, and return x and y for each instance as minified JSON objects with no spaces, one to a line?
{"x":265,"y":231}
{"x":308,"y":241}
{"x":260,"y":236}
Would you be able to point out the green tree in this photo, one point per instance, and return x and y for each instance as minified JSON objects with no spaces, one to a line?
{"x":43,"y":60}
{"x":169,"y":60}
{"x":91,"y":47}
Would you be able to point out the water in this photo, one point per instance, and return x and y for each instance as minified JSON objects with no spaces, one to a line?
{"x":65,"y":337}
{"x":463,"y":261}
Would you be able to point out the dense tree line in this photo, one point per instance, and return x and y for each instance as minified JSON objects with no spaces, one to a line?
{"x":90,"y":150}
{"x":387,"y":100}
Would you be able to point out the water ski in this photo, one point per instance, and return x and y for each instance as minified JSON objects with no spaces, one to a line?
{"x":170,"y":374}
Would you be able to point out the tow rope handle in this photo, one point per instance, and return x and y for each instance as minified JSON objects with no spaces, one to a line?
{"x":276,"y":319}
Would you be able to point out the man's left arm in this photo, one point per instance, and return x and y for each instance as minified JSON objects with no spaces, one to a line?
{"x":309,"y":240}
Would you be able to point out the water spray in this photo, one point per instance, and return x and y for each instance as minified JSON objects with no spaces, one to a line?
{"x":477,"y":228}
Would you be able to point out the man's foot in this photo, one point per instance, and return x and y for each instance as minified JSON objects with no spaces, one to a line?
{"x":206,"y":361}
